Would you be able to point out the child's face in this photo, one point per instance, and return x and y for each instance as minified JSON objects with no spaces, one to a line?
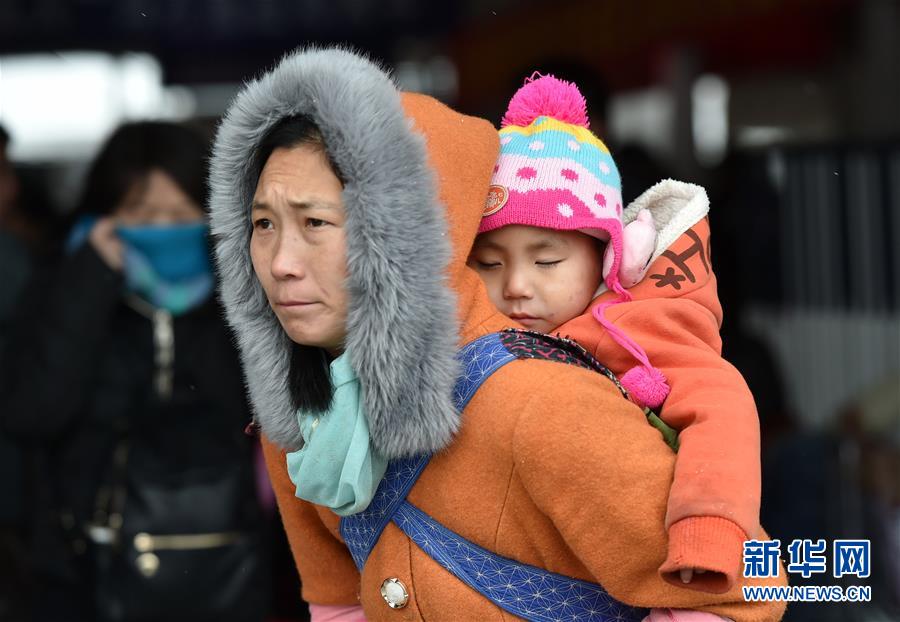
{"x":541,"y":278}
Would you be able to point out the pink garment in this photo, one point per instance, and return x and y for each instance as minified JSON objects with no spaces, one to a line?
{"x":682,"y":615}
{"x":336,"y":613}
{"x":354,"y":613}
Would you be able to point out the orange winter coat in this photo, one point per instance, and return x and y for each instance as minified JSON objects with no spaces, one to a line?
{"x":547,"y":465}
{"x":675,"y":316}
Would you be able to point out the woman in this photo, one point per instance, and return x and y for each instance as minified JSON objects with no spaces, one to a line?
{"x":122,"y":374}
{"x":344,"y":213}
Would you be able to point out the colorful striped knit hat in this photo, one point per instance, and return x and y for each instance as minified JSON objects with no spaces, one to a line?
{"x":554,"y":173}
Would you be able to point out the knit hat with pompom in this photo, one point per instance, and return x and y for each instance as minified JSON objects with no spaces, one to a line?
{"x":554,"y":173}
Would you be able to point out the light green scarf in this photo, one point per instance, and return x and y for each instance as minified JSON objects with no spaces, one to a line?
{"x":337,"y":467}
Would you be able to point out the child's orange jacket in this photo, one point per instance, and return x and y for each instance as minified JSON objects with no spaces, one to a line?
{"x":675,"y":316}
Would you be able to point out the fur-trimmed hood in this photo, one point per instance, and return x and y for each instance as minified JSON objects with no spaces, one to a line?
{"x":416,"y":178}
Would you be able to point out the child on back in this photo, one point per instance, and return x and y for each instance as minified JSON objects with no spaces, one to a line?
{"x":556,"y":257}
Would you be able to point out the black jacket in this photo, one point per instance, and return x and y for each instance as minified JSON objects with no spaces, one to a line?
{"x":82,"y":372}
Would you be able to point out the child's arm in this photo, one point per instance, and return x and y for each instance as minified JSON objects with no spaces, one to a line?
{"x":714,"y":500}
{"x":598,"y":478}
{"x":675,"y":316}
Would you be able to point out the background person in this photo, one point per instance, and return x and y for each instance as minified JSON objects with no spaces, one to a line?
{"x":121,"y":374}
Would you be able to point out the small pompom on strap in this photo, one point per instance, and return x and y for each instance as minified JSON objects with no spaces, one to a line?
{"x":646,"y":384}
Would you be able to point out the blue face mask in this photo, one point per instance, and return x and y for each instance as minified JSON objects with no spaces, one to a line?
{"x":176,"y":252}
{"x":168,"y":265}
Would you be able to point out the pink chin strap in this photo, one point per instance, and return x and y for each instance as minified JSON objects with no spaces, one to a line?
{"x":646,"y":384}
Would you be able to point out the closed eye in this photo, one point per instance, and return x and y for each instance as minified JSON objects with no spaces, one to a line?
{"x":487,"y":265}
{"x":547,"y":264}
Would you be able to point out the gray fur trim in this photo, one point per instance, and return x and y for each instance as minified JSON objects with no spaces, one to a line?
{"x":402,"y":326}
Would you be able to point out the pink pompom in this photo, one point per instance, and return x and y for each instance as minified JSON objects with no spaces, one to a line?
{"x":546,"y":96}
{"x":646,"y":385}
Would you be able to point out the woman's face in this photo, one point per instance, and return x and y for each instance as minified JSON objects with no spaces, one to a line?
{"x":157,"y":200}
{"x":298,"y":246}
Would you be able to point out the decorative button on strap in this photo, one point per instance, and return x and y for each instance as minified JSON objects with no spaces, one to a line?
{"x":394,"y":593}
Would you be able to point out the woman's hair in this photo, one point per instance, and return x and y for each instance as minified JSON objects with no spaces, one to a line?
{"x":136,"y":149}
{"x":290,"y":132}
{"x":309,"y":378}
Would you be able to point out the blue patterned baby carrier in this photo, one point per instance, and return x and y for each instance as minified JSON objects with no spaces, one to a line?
{"x":520,"y":589}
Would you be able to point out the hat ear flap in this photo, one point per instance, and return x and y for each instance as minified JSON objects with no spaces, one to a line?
{"x":609,"y":256}
{"x":638,"y":244}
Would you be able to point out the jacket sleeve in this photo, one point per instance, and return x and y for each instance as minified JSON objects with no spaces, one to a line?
{"x":327,"y":572}
{"x":601,"y":473}
{"x":57,"y":336}
{"x":715,"y":495}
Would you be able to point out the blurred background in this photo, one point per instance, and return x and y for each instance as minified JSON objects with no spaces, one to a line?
{"x":787,"y":111}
